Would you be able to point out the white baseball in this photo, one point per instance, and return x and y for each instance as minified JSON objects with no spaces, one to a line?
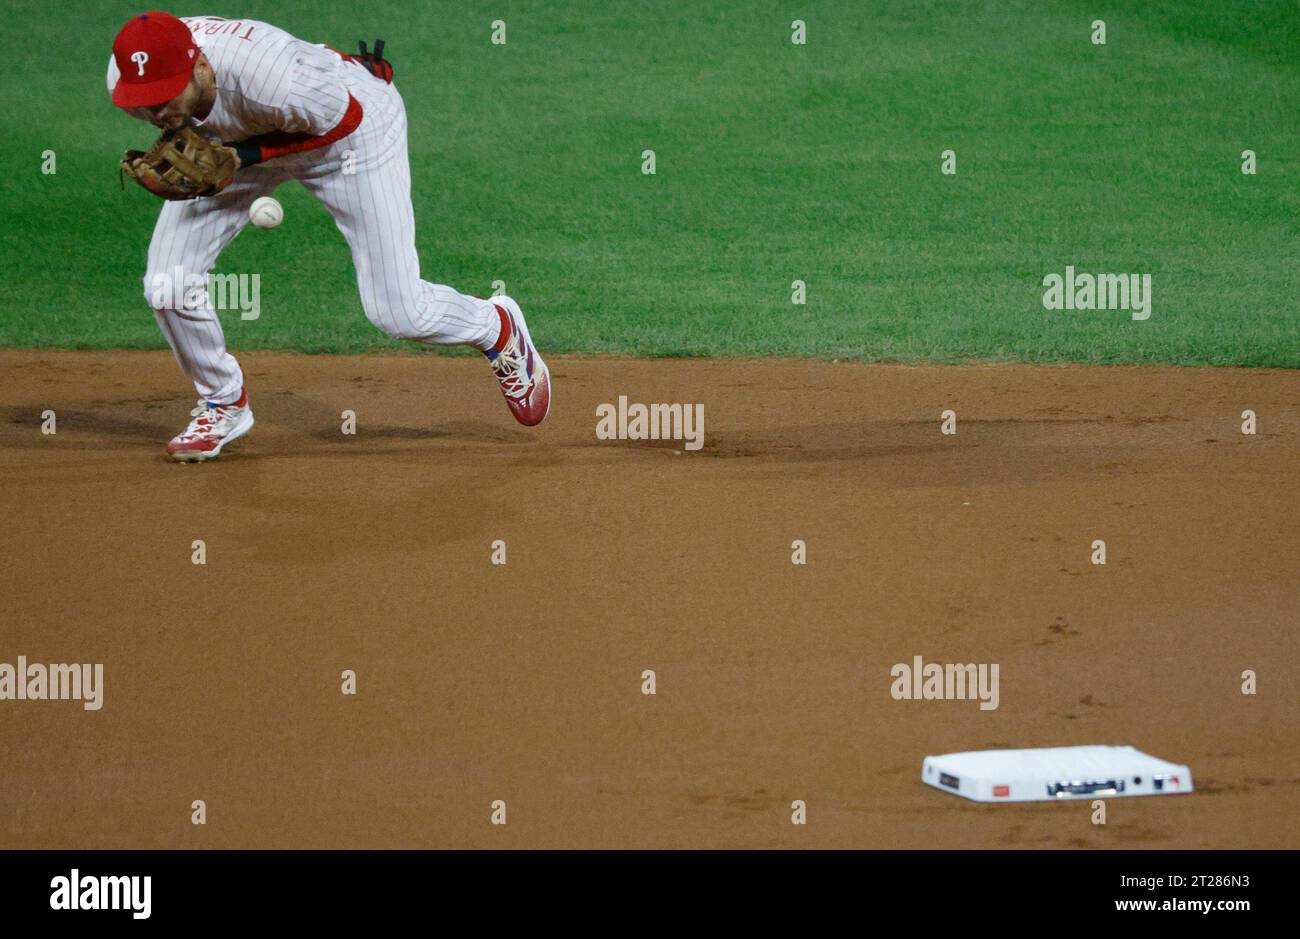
{"x":265,"y":212}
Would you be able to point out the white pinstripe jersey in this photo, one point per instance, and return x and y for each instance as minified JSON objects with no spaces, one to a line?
{"x":267,"y":80}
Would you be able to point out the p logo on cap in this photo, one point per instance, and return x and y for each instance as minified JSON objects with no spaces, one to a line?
{"x":155,"y":55}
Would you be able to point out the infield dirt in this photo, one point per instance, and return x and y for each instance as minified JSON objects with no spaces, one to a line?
{"x":523,"y":682}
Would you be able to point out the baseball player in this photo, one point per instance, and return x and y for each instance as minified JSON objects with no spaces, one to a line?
{"x":274,"y":108}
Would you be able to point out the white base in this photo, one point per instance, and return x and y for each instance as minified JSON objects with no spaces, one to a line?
{"x":1054,"y":773}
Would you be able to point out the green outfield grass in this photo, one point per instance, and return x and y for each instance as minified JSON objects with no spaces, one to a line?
{"x":775,"y":162}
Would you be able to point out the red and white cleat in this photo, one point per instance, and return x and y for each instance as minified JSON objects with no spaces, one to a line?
{"x":525,"y":379}
{"x":213,"y":426}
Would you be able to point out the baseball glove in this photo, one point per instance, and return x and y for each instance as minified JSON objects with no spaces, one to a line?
{"x":182,"y":164}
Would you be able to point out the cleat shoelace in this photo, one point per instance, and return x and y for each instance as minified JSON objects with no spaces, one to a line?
{"x":206,"y":417}
{"x":511,"y":368}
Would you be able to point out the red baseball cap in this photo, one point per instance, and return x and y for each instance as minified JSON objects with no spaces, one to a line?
{"x":155,"y":55}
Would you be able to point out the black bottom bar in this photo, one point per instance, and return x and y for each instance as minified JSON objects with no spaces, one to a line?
{"x":534,"y":888}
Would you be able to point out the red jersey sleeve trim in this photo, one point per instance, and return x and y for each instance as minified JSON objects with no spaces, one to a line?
{"x":279,"y":143}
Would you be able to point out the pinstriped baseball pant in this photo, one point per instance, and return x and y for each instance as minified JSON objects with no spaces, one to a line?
{"x":372,"y":208}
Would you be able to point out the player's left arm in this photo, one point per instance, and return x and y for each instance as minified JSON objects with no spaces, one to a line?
{"x":311,"y":109}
